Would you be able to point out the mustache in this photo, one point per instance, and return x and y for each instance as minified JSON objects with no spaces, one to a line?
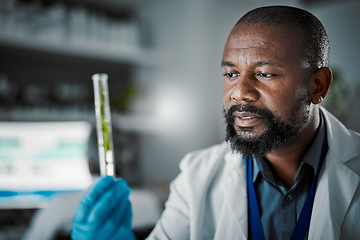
{"x":266,"y":114}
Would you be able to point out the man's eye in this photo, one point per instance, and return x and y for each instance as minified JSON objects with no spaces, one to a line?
{"x":265,"y":75}
{"x":230,"y":75}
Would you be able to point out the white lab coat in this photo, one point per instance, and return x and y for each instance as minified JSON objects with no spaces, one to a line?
{"x":208,"y":199}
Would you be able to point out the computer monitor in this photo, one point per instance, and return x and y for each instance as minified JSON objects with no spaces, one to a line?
{"x":41,"y":159}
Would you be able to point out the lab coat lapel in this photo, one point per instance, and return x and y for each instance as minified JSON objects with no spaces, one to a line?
{"x":336,"y":189}
{"x":233,"y":222}
{"x":337,"y":183}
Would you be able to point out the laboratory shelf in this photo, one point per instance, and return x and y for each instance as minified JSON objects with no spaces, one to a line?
{"x":122,"y":55}
{"x":49,"y":53}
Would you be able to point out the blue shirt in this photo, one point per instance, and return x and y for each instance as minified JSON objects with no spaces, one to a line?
{"x":279,"y":206}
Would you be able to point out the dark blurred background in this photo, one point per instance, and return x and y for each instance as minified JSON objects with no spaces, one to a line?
{"x":163,"y":61}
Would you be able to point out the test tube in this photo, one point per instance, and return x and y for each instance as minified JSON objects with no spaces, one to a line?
{"x":103,"y":124}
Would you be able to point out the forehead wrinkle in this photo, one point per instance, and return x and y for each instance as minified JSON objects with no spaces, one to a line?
{"x":231,"y":60}
{"x":236,"y":39}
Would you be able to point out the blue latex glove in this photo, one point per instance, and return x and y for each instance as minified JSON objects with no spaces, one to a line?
{"x":104,"y":212}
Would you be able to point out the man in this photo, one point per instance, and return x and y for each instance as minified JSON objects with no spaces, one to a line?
{"x":288,"y":170}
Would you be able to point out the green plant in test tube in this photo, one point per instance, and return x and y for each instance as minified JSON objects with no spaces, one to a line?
{"x":105,"y":128}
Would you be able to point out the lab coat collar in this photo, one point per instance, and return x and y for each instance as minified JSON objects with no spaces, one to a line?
{"x":336,"y":188}
{"x":339,"y":140}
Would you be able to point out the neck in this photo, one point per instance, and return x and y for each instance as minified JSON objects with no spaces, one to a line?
{"x":286,"y":160}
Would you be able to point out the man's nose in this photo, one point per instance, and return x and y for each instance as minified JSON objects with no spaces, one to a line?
{"x":244,"y":90}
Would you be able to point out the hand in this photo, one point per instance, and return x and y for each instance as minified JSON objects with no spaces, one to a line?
{"x":104,"y":212}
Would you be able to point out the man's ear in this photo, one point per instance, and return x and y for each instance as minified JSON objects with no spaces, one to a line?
{"x":320,"y":82}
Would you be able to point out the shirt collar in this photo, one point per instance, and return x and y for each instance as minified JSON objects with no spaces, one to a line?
{"x":312,"y":156}
{"x":256,"y":169}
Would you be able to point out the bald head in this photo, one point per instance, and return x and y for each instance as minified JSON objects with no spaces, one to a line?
{"x":314,"y":42}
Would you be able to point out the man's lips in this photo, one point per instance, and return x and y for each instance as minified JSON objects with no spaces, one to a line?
{"x":246,"y":119}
